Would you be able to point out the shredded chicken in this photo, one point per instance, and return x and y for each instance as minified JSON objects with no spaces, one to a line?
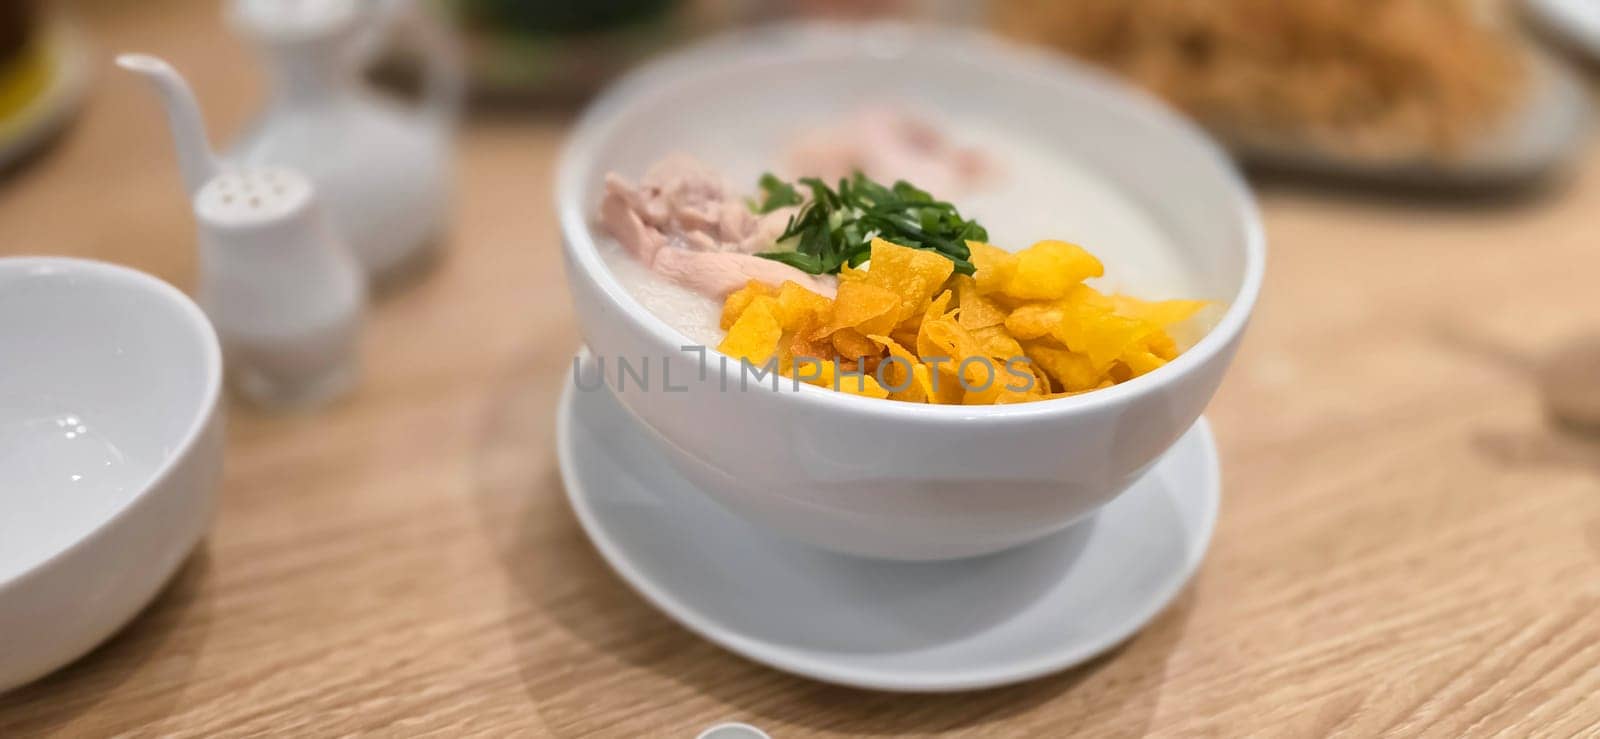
{"x":683,"y":222}
{"x":886,"y":143}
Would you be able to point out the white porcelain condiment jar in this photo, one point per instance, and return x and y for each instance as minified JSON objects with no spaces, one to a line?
{"x":383,"y":170}
{"x":285,"y":294}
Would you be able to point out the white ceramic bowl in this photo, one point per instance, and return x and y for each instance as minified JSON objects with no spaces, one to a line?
{"x":881,"y":478}
{"x":110,"y":451}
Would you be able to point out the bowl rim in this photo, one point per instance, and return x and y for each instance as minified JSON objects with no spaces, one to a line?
{"x":211,"y":351}
{"x":880,"y":39}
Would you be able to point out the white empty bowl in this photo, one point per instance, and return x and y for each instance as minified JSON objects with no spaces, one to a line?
{"x":882,"y":478}
{"x":110,"y":451}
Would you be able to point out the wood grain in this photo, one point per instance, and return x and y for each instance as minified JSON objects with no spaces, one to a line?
{"x":1406,"y":546}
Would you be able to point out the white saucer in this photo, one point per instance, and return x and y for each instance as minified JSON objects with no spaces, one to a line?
{"x":866,"y":623}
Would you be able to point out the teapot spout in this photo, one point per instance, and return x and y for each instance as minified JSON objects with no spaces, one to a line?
{"x":195,"y":159}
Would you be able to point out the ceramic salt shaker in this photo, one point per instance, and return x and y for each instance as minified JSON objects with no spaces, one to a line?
{"x":285,"y":294}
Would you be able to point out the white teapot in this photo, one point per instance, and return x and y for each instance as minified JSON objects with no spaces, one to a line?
{"x":382,"y":171}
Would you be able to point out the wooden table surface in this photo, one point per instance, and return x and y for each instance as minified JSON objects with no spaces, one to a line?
{"x":1405,"y":545}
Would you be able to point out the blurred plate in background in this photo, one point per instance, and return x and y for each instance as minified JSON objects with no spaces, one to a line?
{"x":40,"y":88}
{"x":1535,"y":140}
{"x":1445,"y":93}
{"x":1577,"y":21}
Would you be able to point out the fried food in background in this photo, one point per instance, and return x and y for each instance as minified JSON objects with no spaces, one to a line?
{"x":1364,"y":77}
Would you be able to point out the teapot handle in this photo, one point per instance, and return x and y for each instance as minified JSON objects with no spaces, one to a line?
{"x":443,"y":80}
